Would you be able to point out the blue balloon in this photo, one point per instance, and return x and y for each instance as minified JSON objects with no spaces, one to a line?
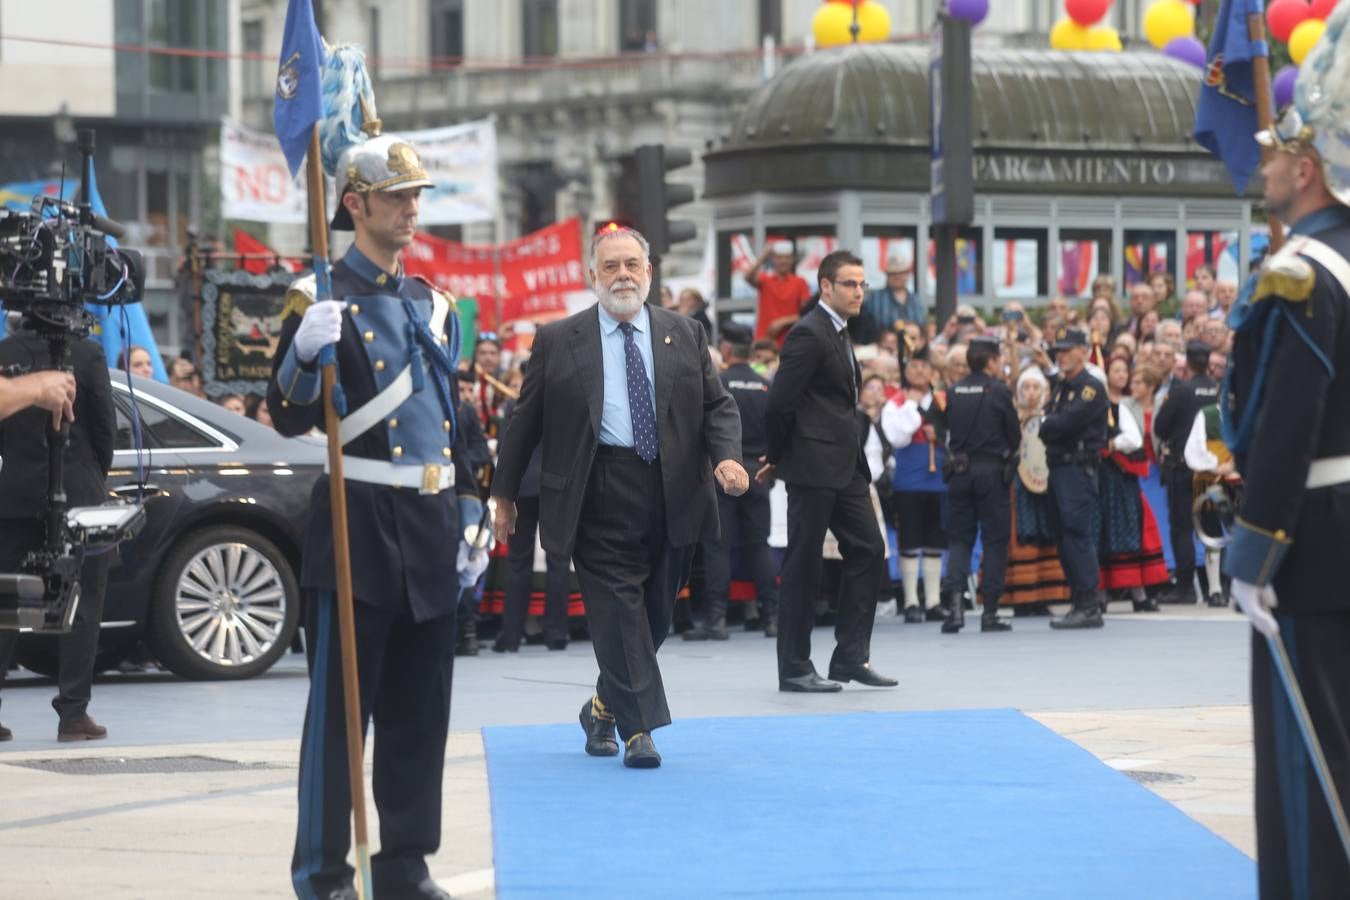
{"x":972,"y":11}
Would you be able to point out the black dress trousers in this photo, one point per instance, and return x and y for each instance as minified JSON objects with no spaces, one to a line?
{"x":979,"y":500}
{"x":520,"y":577}
{"x":629,"y":577}
{"x":1181,"y":521}
{"x":849,"y":514}
{"x":745,"y":524}
{"x":1073,"y":488}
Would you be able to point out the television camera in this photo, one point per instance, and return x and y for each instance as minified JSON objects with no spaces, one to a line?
{"x":55,"y":259}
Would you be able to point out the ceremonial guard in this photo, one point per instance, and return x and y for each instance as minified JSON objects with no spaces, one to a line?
{"x":1074,"y":432}
{"x":1287,"y":418}
{"x":397,"y":340}
{"x":983,"y":436}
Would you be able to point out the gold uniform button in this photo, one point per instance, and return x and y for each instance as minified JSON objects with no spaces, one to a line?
{"x":381,"y":278}
{"x":356,"y":310}
{"x":398,"y":452}
{"x":393,"y":423}
{"x":446,"y":453}
{"x":445,"y":339}
{"x":379,"y":365}
{"x":369,"y":336}
{"x":447,"y":425}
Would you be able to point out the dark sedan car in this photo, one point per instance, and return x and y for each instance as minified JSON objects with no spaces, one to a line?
{"x":210,"y":583}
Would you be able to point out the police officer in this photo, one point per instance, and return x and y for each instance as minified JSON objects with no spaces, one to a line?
{"x":744,"y":519}
{"x":1074,"y":432}
{"x":1173,"y":427}
{"x":982,"y":435}
{"x":1287,"y":419}
{"x":396,"y":342}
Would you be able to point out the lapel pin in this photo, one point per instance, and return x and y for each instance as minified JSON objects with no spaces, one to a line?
{"x":667,"y":339}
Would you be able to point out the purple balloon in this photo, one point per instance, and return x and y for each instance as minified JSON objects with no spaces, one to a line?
{"x":1186,"y":49}
{"x":1283,"y":85}
{"x":973,"y":11}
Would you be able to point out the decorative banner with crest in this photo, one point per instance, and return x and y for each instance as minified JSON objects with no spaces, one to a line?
{"x":241,"y":325}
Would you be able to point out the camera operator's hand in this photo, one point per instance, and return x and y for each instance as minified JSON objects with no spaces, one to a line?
{"x":54,"y":392}
{"x":321,"y":326}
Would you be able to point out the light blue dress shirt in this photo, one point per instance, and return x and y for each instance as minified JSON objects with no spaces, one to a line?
{"x":616,"y":421}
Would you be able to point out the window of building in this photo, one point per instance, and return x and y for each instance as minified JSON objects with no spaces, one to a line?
{"x":539,"y":20}
{"x":969,"y":266}
{"x":1021,"y":269}
{"x":637,"y":26}
{"x":255,"y":77}
{"x":447,"y":31}
{"x":1147,"y":252}
{"x":1083,"y":255}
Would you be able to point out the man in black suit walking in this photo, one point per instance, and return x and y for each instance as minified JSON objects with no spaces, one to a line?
{"x":23,"y":507}
{"x":815,"y":446}
{"x":635,"y":424}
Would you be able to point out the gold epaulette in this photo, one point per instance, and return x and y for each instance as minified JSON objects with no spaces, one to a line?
{"x":299,"y":297}
{"x":445,"y":295}
{"x":1289,"y":277}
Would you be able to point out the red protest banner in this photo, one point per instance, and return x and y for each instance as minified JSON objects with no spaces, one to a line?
{"x":534,"y":275}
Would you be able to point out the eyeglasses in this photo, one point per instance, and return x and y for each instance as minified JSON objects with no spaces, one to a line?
{"x":851,"y":285}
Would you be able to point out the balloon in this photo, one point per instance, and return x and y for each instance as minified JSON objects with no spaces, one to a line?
{"x":1282,"y":86}
{"x":1167,"y":20}
{"x":1103,"y":37}
{"x":972,"y":11}
{"x":1284,"y":15}
{"x":1304,"y":38}
{"x":874,"y":21}
{"x":1322,"y":8}
{"x":1186,"y":49}
{"x":1068,"y":35}
{"x":1086,"y":12}
{"x":831,"y":24}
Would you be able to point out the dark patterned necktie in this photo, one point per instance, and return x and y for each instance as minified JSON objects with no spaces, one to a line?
{"x":639,"y":397}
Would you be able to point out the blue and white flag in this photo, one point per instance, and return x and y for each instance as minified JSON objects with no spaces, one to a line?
{"x":1225,"y":114}
{"x":298,"y":104}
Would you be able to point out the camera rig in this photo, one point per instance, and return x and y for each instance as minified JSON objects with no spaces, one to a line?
{"x":55,"y":259}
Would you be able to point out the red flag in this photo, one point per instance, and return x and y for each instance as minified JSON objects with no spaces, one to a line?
{"x":246,"y":245}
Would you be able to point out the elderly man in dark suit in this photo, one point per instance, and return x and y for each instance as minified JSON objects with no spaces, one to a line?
{"x":635,"y":425}
{"x":815,"y":446}
{"x":23,"y":505}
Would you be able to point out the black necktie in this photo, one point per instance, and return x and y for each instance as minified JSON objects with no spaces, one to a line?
{"x":848,"y":357}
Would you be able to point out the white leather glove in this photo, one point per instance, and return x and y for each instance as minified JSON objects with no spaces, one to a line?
{"x":321,"y":326}
{"x":1257,"y":604}
{"x":472,"y":563}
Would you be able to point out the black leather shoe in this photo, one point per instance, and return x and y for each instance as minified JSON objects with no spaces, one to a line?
{"x":913,"y":615}
{"x":1176,"y":595}
{"x":425,"y":890}
{"x":557,"y":643}
{"x":863,"y":674}
{"x":1148,"y":604}
{"x":1083,"y":617}
{"x":1216,"y":601}
{"x":956,"y":618}
{"x":600,"y":737}
{"x":994,"y":623}
{"x":343,"y":893}
{"x":935,"y":614}
{"x":500,"y":646}
{"x":707,"y":632}
{"x":808,"y":684}
{"x":640,"y":752}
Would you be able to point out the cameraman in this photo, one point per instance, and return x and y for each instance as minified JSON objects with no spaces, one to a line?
{"x":24,"y":501}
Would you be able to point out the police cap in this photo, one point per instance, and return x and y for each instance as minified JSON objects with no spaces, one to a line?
{"x":1068,"y":338}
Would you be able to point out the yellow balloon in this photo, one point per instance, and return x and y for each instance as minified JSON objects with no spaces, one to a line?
{"x":1104,"y":37}
{"x":1167,"y":20}
{"x":874,"y":22}
{"x":831,"y":23}
{"x":1304,"y":37}
{"x":1069,"y":35}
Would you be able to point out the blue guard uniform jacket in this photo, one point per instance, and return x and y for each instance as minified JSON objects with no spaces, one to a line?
{"x":1287,"y":407}
{"x":403,"y":539}
{"x":1074,"y":428}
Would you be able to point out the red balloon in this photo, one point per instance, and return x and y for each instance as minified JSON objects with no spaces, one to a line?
{"x":1086,"y":12}
{"x":1322,"y":8}
{"x":1284,"y":15}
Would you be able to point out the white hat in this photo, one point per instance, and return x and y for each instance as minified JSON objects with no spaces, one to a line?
{"x":383,"y":163}
{"x":782,"y":248}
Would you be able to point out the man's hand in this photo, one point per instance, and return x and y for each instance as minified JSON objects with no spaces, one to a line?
{"x":321,"y":326}
{"x":1257,"y":603}
{"x":732,"y":476}
{"x":54,"y":392}
{"x":765,"y":473}
{"x":503,"y":518}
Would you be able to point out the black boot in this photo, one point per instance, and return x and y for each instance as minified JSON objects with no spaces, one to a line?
{"x":992,"y":622}
{"x":956,"y":613}
{"x":1086,"y":613}
{"x":708,"y":631}
{"x":467,"y":615}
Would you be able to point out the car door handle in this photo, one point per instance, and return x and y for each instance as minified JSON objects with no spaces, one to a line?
{"x":134,"y":489}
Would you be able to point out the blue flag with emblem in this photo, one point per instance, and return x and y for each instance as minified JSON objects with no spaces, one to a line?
{"x":1225,"y":114}
{"x":298,"y":103}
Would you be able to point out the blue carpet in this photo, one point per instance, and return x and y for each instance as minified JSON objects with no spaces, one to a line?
{"x":984,"y":803}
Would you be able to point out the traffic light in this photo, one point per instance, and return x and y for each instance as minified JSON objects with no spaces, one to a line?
{"x":643,"y":198}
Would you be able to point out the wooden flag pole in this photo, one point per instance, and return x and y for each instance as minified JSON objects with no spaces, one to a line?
{"x":337,"y":493}
{"x":1265,"y":111}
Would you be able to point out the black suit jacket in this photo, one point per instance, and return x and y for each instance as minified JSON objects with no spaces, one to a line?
{"x":813,"y":432}
{"x":560,"y":406}
{"x":23,"y":436}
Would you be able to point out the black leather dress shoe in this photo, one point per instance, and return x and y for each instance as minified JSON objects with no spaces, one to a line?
{"x":994,"y":623}
{"x":913,"y":615}
{"x":1089,"y":617}
{"x":808,"y":684}
{"x":640,"y":752}
{"x":600,"y":736}
{"x":863,"y":674}
{"x":557,"y":643}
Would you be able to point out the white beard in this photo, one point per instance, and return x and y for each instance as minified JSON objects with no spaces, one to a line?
{"x":621,"y":303}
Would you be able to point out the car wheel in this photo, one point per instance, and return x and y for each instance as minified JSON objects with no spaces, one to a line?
{"x":225,"y":605}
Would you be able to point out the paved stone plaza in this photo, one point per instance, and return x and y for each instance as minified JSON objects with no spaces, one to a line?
{"x":1163,"y":697}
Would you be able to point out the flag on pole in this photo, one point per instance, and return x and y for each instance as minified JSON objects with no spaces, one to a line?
{"x":1225,"y":114}
{"x":298,"y":103}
